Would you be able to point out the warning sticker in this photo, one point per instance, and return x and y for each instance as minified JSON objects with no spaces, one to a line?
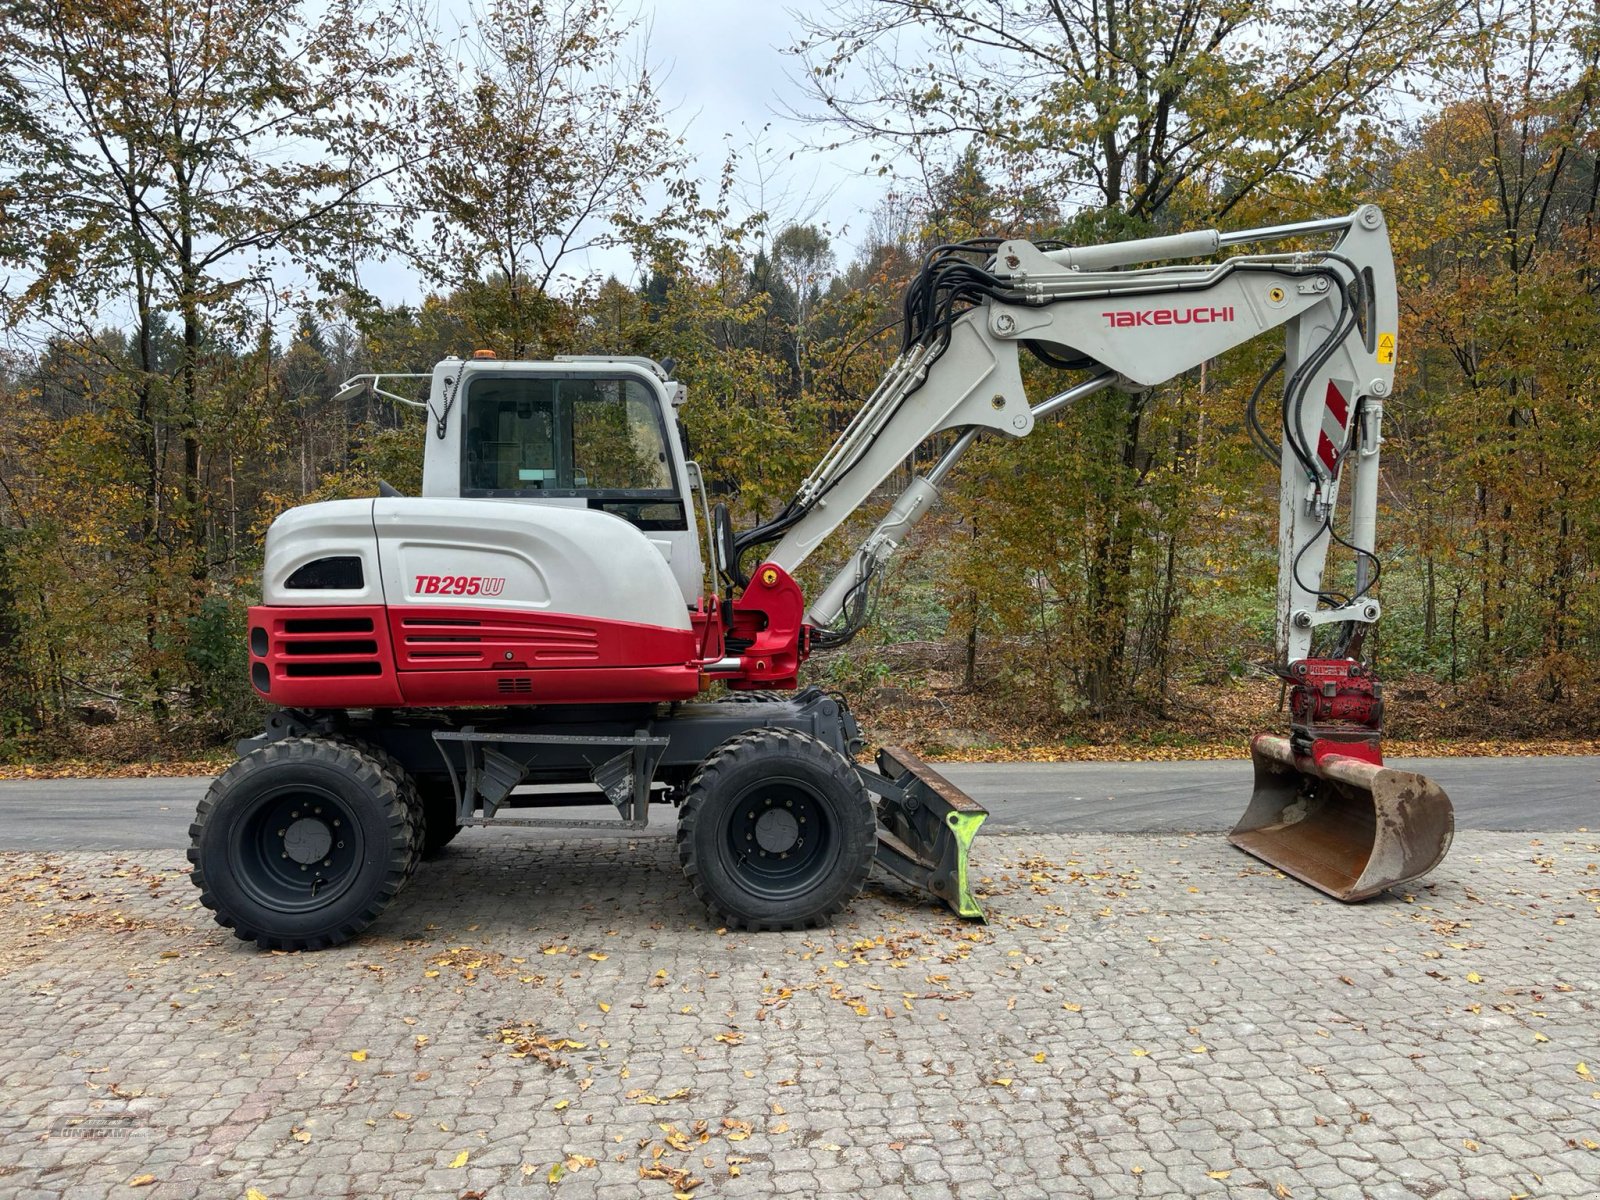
{"x":1386,"y":347}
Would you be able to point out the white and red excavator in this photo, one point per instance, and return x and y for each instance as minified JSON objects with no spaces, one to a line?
{"x":541,"y":626}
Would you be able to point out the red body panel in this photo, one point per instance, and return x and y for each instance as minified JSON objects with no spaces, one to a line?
{"x":372,"y":656}
{"x":770,"y":616}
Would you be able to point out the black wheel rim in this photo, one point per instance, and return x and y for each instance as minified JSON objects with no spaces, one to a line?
{"x":781,"y":839}
{"x":298,"y":849}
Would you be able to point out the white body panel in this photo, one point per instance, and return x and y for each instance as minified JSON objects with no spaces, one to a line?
{"x":332,"y":529}
{"x":542,"y":557}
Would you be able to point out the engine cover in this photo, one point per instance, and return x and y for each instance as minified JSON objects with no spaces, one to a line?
{"x":466,"y":602}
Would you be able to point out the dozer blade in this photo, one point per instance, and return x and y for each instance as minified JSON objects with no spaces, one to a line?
{"x":925,"y":828}
{"x":1347,"y":827}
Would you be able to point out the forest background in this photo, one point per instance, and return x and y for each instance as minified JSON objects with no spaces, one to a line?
{"x":190,"y":191}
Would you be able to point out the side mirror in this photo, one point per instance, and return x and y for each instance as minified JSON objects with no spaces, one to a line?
{"x":722,"y":536}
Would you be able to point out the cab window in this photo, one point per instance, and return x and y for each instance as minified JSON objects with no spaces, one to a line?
{"x":546,"y":436}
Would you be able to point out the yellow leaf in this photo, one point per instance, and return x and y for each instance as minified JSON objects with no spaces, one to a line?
{"x":460,"y":1160}
{"x":556,"y":1172}
{"x":599,"y":957}
{"x":1583,"y":1071}
{"x":398,"y":1115}
{"x":1282,"y":1192}
{"x":1218,"y":1174}
{"x":1197,"y":1050}
{"x":578,"y":1161}
{"x":1136,"y":1170}
{"x":1539,"y":1037}
{"x":431,"y":974}
{"x":1469,"y":1143}
{"x":1072,"y":1007}
{"x":560,"y":1104}
{"x":1474,"y":977}
{"x":358,"y":1055}
{"x":1039,"y":1057}
{"x":1000,"y":1083}
{"x":1140,"y":1053}
{"x":604,"y":1007}
{"x":141,"y":1181}
{"x":254,"y":1194}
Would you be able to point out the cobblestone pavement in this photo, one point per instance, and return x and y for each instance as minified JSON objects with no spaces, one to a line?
{"x":1144,"y":1016}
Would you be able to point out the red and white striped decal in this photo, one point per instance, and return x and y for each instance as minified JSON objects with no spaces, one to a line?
{"x":1335,"y":417}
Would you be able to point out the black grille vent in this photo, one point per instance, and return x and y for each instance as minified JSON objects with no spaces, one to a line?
{"x":328,"y":625}
{"x":519,"y":686}
{"x":341,"y":574}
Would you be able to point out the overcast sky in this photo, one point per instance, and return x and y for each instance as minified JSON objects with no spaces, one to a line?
{"x":723,"y":69}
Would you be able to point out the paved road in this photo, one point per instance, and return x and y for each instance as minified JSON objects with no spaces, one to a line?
{"x":1539,"y":794}
{"x":1143,"y":1018}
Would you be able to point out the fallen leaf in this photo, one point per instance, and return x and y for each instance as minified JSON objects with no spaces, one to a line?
{"x":460,"y":1160}
{"x":1140,"y":1053}
{"x":1072,"y":1007}
{"x":400,"y":1116}
{"x":999,"y":1083}
{"x":141,"y":1181}
{"x":1583,"y":1071}
{"x":561,"y":1104}
{"x":1539,"y":1037}
{"x":604,"y":1007}
{"x":1136,"y":1170}
{"x":1474,"y":977}
{"x":556,"y":1171}
{"x":1282,"y":1192}
{"x":254,"y":1194}
{"x":1469,"y":1143}
{"x":300,"y":1135}
{"x":358,"y":1056}
{"x":576,"y":1162}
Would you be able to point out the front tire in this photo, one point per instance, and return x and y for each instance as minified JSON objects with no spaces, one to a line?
{"x":302,"y":844}
{"x":776,"y":831}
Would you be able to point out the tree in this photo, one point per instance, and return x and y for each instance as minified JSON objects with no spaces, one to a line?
{"x":171,"y":160}
{"x":1121,"y":104}
{"x":541,"y":137}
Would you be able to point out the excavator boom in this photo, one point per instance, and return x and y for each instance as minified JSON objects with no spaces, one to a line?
{"x":1129,"y":315}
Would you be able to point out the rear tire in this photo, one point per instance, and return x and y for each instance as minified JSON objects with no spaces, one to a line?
{"x":776,"y":831}
{"x":302,"y":844}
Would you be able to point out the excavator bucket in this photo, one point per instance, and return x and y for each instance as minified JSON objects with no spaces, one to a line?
{"x":1347,"y":827}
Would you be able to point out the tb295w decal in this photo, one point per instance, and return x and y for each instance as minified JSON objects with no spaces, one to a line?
{"x":459,"y":585}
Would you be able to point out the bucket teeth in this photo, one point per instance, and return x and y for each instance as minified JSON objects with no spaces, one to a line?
{"x":1346,"y":827}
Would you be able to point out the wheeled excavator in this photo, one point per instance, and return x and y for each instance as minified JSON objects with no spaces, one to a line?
{"x":546,"y":624}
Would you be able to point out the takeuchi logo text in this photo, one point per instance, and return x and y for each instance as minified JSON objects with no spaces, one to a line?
{"x":1123,"y":318}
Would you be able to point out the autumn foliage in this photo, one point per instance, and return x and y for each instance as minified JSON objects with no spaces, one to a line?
{"x":192,"y":198}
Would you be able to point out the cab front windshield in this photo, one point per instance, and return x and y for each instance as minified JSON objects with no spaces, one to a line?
{"x":578,"y":436}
